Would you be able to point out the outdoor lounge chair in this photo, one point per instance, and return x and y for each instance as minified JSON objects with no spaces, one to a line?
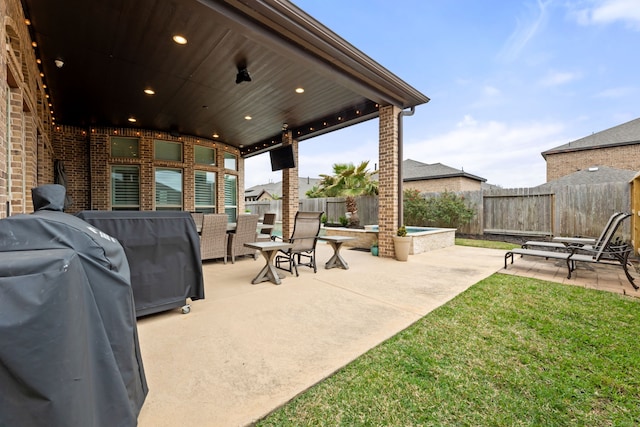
{"x":213,"y":238}
{"x":246,"y":227}
{"x":306,"y":229}
{"x":562,"y":243}
{"x":607,"y":252}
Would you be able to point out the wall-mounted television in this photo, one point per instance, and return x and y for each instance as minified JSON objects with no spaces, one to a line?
{"x":282,"y":158}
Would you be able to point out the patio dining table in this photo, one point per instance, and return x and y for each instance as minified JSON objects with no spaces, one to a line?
{"x":336,"y":259}
{"x":268,"y":250}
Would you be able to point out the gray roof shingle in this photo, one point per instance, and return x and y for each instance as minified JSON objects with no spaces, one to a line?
{"x":624,"y":134}
{"x":275,"y":188}
{"x":413,"y":170}
{"x":592,"y":175}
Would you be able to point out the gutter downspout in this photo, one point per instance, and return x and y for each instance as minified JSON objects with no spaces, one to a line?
{"x":402,"y":113}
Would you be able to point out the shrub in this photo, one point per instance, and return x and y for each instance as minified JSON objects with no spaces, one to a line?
{"x":444,"y":210}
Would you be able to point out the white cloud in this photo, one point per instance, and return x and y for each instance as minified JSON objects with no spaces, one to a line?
{"x":491,"y":91}
{"x":505,"y":154}
{"x":556,"y":78}
{"x":611,"y":11}
{"x":525,"y":31}
{"x":616,"y":92}
{"x":467,"y":121}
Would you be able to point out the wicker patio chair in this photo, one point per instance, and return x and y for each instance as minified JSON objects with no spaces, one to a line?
{"x":213,"y":238}
{"x":306,"y":229}
{"x":198,"y":217}
{"x":246,"y":227}
{"x":266,"y":234}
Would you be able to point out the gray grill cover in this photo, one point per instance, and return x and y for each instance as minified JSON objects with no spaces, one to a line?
{"x":69,"y":351}
{"x":163,"y":250}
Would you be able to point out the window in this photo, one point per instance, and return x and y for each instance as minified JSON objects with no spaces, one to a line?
{"x":125,"y":188}
{"x":204,"y":155}
{"x":205,"y":187}
{"x":124,"y":147}
{"x":165,"y":150}
{"x":168,"y":189}
{"x":231,"y":197}
{"x":230,"y":161}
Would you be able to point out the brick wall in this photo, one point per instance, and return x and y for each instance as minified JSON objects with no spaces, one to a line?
{"x":290,"y":199}
{"x":622,"y":157}
{"x":87,"y":158}
{"x":24,"y":121}
{"x":388,"y":180}
{"x":71,"y":146}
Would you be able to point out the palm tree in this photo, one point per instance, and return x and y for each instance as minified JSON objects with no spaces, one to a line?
{"x":348,"y":181}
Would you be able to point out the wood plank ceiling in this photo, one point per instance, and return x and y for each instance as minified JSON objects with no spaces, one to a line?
{"x":114,"y":49}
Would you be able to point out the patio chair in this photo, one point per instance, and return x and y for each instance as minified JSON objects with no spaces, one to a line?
{"x":198,"y":218}
{"x":266,"y":234}
{"x":306,"y":229}
{"x":609,"y":251}
{"x":213,"y":238}
{"x":245,"y":232}
{"x":562,"y":243}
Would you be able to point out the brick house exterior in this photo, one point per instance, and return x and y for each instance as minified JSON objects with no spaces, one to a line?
{"x":87,"y":157}
{"x":617,"y":147}
{"x":33,"y":143}
{"x":436,"y":177}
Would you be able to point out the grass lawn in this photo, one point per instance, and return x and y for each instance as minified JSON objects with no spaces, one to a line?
{"x":486,"y":244}
{"x":510,"y":351}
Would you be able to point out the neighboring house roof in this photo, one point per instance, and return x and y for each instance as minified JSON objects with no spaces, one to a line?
{"x":592,"y":175}
{"x":624,"y":134}
{"x":275,"y":188}
{"x":413,"y":170}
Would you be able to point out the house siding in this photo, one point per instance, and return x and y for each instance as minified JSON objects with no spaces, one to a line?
{"x":622,"y":157}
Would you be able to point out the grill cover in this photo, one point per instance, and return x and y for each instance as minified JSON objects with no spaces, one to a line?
{"x":163,"y":250}
{"x":69,"y":351}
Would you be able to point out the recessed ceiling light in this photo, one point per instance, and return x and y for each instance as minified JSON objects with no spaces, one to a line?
{"x":215,"y":135}
{"x":132,"y":119}
{"x":27,"y":21}
{"x":34,"y":44}
{"x":179,"y":39}
{"x":248,"y":117}
{"x":149,"y":91}
{"x":299,"y":90}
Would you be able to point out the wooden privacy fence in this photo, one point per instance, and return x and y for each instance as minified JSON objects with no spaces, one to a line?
{"x":574,"y":210}
{"x":333,"y":207}
{"x":569,"y":210}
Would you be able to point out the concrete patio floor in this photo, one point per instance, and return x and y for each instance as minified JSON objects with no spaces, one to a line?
{"x":247,"y":349}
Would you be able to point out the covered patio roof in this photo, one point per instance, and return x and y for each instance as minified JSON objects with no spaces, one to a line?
{"x":109,"y":51}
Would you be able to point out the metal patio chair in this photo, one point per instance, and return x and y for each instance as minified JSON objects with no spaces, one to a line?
{"x":306,"y":229}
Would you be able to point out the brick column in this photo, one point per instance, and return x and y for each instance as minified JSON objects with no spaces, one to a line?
{"x":290,"y":190}
{"x":388,"y":180}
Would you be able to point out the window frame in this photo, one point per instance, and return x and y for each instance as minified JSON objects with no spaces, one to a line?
{"x":119,"y":207}
{"x":167,"y":206}
{"x":208,"y":208}
{"x":158,"y":143}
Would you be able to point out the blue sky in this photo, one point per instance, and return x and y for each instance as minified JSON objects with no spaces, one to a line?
{"x":507,"y":80}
